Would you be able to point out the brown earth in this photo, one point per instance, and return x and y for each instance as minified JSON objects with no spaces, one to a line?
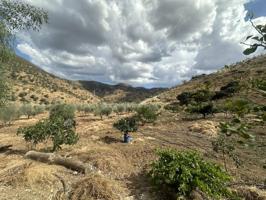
{"x":115,"y":170}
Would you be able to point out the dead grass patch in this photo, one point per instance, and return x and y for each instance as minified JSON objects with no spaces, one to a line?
{"x":96,"y":187}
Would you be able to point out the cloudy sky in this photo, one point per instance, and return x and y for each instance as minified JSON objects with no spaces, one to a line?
{"x":151,"y":43}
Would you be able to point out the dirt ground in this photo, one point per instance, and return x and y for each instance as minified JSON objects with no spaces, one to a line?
{"x":115,"y":170}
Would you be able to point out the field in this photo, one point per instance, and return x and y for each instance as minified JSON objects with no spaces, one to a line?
{"x":115,"y":170}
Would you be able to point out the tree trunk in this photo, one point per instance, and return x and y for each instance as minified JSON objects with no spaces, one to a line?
{"x":52,"y":158}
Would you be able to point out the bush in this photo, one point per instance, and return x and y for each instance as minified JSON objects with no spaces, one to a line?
{"x":60,"y":128}
{"x":184,"y":98}
{"x":202,"y":96}
{"x":227,"y":90}
{"x":63,"y":111}
{"x":26,"y":109}
{"x":184,"y":172}
{"x":259,"y":84}
{"x":126,"y":125}
{"x":198,"y":96}
{"x":237,"y":106}
{"x":8,"y":114}
{"x":102,"y":109}
{"x":203,"y":108}
{"x":223,"y":144}
{"x":173,"y":107}
{"x":89,"y":109}
{"x":119,"y":108}
{"x":147,"y":113}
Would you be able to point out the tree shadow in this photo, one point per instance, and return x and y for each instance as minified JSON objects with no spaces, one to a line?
{"x":110,"y":140}
{"x":20,"y":152}
{"x":141,"y":187}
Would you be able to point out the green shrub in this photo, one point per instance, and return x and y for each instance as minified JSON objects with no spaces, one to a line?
{"x":119,"y":108}
{"x":185,"y":98}
{"x":184,"y":172}
{"x":63,"y":111}
{"x":89,"y":109}
{"x":238,"y":106}
{"x":26,"y":109}
{"x":227,"y":91}
{"x":202,"y":96}
{"x":259,"y":84}
{"x":102,"y":109}
{"x":147,"y":113}
{"x":198,"y":96}
{"x":8,"y":114}
{"x":223,"y":144}
{"x":126,"y":125}
{"x":60,"y":128}
{"x":203,"y":108}
{"x":173,"y":107}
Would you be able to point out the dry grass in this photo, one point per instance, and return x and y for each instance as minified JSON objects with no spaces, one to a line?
{"x":94,"y":187}
{"x":107,"y":160}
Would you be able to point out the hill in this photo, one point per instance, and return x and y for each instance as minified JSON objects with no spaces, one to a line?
{"x":115,"y":170}
{"x":120,"y":92}
{"x":30,"y":84}
{"x":245,"y":72}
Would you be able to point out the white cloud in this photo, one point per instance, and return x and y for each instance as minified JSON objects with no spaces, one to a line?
{"x":140,"y":42}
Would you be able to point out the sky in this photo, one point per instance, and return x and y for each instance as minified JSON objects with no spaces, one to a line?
{"x":149,"y":43}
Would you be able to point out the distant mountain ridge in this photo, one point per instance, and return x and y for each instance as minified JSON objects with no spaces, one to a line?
{"x":120,"y":92}
{"x":31,"y":84}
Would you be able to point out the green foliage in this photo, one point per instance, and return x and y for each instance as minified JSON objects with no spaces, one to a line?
{"x":202,"y":108}
{"x":237,"y":106}
{"x":102,"y":109}
{"x":202,"y":96}
{"x":35,"y":134}
{"x":184,"y":98}
{"x":223,"y":144}
{"x":173,"y":107}
{"x":60,"y":128}
{"x":184,"y":172}
{"x":29,"y":110}
{"x":17,"y":15}
{"x":147,"y":113}
{"x":258,"y":40}
{"x":199,"y":96}
{"x":3,"y":88}
{"x":119,"y":108}
{"x":126,"y":125}
{"x":227,"y":91}
{"x":259,"y":84}
{"x":63,"y":111}
{"x":8,"y":114}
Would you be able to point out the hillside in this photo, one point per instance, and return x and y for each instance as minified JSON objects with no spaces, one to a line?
{"x":116,"y":170}
{"x":120,"y":92}
{"x":33,"y":85}
{"x":245,"y":72}
{"x":30,"y":84}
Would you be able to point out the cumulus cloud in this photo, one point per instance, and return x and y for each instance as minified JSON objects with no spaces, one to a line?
{"x":140,"y":42}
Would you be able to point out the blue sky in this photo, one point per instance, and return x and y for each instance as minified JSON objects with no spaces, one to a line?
{"x":258,"y":7}
{"x":151,"y":43}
